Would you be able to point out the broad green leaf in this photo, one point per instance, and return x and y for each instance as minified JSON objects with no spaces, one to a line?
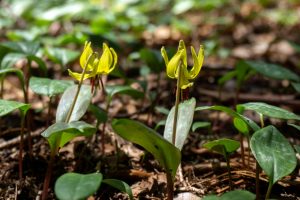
{"x":61,"y":56}
{"x":10,"y":59}
{"x":232,"y":195}
{"x":48,"y":87}
{"x":273,"y":71}
{"x":241,"y":126}
{"x":232,"y":113}
{"x":159,"y":124}
{"x":296,"y":86}
{"x":222,"y":145}
{"x":226,"y":77}
{"x":166,"y":153}
{"x":273,"y":152}
{"x":7,"y":107}
{"x":120,"y":185}
{"x":153,"y":59}
{"x":18,"y":72}
{"x":27,"y":48}
{"x":82,"y":103}
{"x":40,"y":62}
{"x":162,"y":110}
{"x":74,"y":186}
{"x":60,"y":133}
{"x":269,"y":110}
{"x":99,"y":113}
{"x":184,"y":122}
{"x":197,"y":125}
{"x":295,"y":126}
{"x":112,"y":90}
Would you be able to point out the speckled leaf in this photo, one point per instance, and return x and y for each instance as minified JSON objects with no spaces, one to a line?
{"x":74,"y":186}
{"x":82,"y":103}
{"x":123,"y":89}
{"x":269,"y":110}
{"x":273,"y":152}
{"x":184,"y":122}
{"x":7,"y":107}
{"x":222,"y":144}
{"x":166,"y":153}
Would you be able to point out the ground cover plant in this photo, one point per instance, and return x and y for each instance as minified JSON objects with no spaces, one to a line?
{"x":149,"y":100}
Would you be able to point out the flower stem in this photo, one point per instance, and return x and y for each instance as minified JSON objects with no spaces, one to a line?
{"x":178,"y":94}
{"x":170,"y":185}
{"x":78,"y":90}
{"x":21,"y":148}
{"x":269,"y":190}
{"x":48,"y":175}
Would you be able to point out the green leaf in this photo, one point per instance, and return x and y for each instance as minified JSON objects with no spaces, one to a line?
{"x":112,"y":90}
{"x":82,"y":103}
{"x":120,"y":185}
{"x":232,"y":113}
{"x":166,"y":153}
{"x":226,"y":77}
{"x":10,"y":59}
{"x":232,"y":195}
{"x":241,"y":126}
{"x":159,"y":124}
{"x":153,"y":59}
{"x":27,"y":48}
{"x":297,"y":148}
{"x":269,"y":110}
{"x":18,"y":72}
{"x":74,"y":186}
{"x":184,"y":122}
{"x":162,"y":110}
{"x":273,"y":71}
{"x":296,"y":86}
{"x":99,"y":113}
{"x":61,"y":56}
{"x":222,"y":144}
{"x":7,"y":107}
{"x":197,"y":125}
{"x":48,"y":87}
{"x":273,"y":152}
{"x":295,"y":126}
{"x":60,"y":133}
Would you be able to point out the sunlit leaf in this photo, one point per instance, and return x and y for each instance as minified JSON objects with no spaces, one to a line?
{"x":10,"y":60}
{"x":120,"y":185}
{"x":241,"y":126}
{"x":222,"y":146}
{"x":27,"y":48}
{"x":184,"y":122}
{"x":82,"y":103}
{"x":198,"y":125}
{"x":48,"y":87}
{"x":166,"y":153}
{"x":269,"y":110}
{"x":7,"y":107}
{"x":74,"y":186}
{"x":18,"y":72}
{"x":273,"y":71}
{"x":60,"y":133}
{"x":112,"y":90}
{"x":61,"y":56}
{"x":273,"y":152}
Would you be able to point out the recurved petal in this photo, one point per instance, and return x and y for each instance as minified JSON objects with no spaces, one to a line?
{"x":164,"y":55}
{"x":174,"y":63}
{"x":183,"y":80}
{"x":181,"y":47}
{"x":198,"y":61}
{"x":115,"y":60}
{"x":87,"y":51}
{"x":105,"y":61}
{"x":78,"y":76}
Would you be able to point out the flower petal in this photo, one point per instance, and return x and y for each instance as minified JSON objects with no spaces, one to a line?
{"x":87,"y":51}
{"x":78,"y":76}
{"x":105,"y":61}
{"x":198,"y":61}
{"x":174,"y":63}
{"x":164,"y":55}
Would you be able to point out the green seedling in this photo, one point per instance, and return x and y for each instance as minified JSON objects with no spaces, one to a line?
{"x":74,"y":186}
{"x":200,"y":125}
{"x":184,"y":122}
{"x":224,"y":147}
{"x":232,"y":195}
{"x":48,"y":87}
{"x":274,"y":154}
{"x":58,"y":135}
{"x":165,"y":152}
{"x":7,"y":107}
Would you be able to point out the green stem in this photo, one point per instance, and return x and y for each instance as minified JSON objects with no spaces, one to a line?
{"x":21,"y":147}
{"x":228,"y":168}
{"x":269,"y":190}
{"x":242,"y":149}
{"x":78,"y":90}
{"x":170,"y":186}
{"x":49,"y":112}
{"x":48,"y":175}
{"x":104,"y":126}
{"x":176,"y":106}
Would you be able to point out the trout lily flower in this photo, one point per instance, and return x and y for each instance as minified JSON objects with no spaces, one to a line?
{"x":94,"y":66}
{"x":177,"y":67}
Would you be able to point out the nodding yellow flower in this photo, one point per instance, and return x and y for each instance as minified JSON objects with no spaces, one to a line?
{"x":94,"y":65}
{"x":177,"y":66}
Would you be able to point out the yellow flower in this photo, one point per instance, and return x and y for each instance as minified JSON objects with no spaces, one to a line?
{"x":177,"y":66}
{"x":94,"y":65}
